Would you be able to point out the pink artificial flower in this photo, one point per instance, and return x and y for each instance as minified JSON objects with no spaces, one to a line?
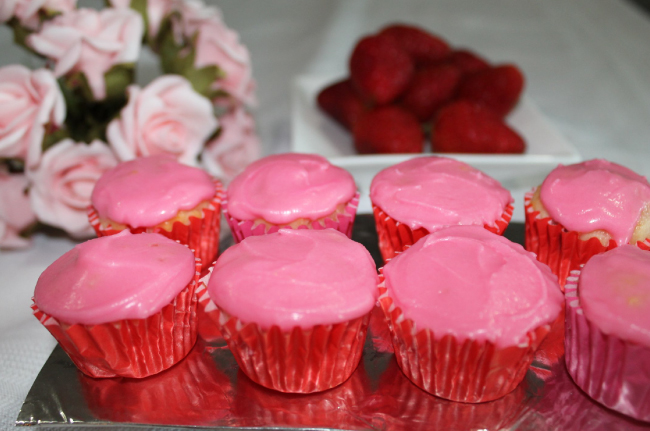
{"x":29,"y":100}
{"x":167,"y":116}
{"x":63,"y":182}
{"x":15,"y":211}
{"x":157,"y":10}
{"x":236,"y":146}
{"x":91,"y":42}
{"x":216,"y":44}
{"x":26,"y":11}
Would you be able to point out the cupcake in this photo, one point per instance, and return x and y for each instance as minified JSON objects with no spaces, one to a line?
{"x":423,"y":194}
{"x":584,"y":209}
{"x":467,"y":309}
{"x":294,"y":307}
{"x":608,"y":330}
{"x":158,"y":194}
{"x":296,"y":191}
{"x":122,"y":305}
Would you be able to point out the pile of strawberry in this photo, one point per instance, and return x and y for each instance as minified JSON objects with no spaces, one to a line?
{"x":405,"y":80}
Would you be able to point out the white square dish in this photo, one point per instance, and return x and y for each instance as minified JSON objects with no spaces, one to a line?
{"x":314,"y":132}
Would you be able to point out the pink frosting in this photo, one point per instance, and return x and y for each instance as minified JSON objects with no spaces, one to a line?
{"x":614,"y":291}
{"x":284,"y":187}
{"x":432,"y":192}
{"x":295,"y":277}
{"x":596,"y":195}
{"x":150,"y":190}
{"x":472,"y":284}
{"x":122,"y":276}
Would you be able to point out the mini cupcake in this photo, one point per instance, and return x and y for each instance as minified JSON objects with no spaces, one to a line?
{"x":122,"y":305}
{"x":158,"y":194}
{"x":424,"y":194}
{"x":294,"y":307}
{"x":295,"y":191}
{"x":608,"y":330}
{"x":467,"y":309}
{"x":584,"y":209}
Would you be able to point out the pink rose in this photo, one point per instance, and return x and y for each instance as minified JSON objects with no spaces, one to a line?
{"x":216,"y":44}
{"x":167,"y":116}
{"x":157,"y":10}
{"x":235,"y":147}
{"x":27,"y":11}
{"x":15,"y":211}
{"x":29,"y":101}
{"x":91,"y":42}
{"x":63,"y":182}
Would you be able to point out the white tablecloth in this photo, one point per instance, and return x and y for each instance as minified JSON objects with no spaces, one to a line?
{"x":587,"y":64}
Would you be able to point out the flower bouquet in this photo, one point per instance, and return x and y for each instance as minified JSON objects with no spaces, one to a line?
{"x":63,"y":125}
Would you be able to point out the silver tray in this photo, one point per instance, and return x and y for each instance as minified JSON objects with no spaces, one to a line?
{"x":207,"y":390}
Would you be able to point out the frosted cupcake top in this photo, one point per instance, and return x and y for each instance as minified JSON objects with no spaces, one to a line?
{"x":614,"y":289}
{"x":115,"y":277}
{"x":295,"y":277}
{"x":150,"y":190}
{"x":469,"y":283}
{"x":285,"y":187}
{"x":432,"y":192}
{"x":596,"y":195}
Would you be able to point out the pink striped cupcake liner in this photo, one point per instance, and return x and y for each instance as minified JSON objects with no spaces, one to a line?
{"x":201,"y":235}
{"x":244,"y":228}
{"x":612,"y":371}
{"x":132,"y":347}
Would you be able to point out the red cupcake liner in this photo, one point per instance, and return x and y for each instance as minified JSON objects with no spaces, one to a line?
{"x":395,"y":237}
{"x":131,"y":347}
{"x":244,"y":228}
{"x":297,"y":361}
{"x":468,"y":371}
{"x":207,"y":326}
{"x":612,"y":371}
{"x":562,"y":250}
{"x":201,"y":235}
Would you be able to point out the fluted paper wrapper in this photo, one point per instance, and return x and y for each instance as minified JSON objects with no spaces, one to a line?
{"x":201,"y":234}
{"x":207,"y":325}
{"x":612,"y":371}
{"x":468,"y":371}
{"x":296,"y":361}
{"x":395,"y":237}
{"x":562,"y":250}
{"x":132,"y":347}
{"x":244,"y":228}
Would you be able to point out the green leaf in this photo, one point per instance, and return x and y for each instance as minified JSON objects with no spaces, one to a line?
{"x":54,"y":137}
{"x":118,"y":78}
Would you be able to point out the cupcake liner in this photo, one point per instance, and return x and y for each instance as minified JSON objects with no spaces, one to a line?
{"x":244,"y":228}
{"x":612,"y":371}
{"x":131,"y":347}
{"x":468,"y":371}
{"x":207,"y":327}
{"x":562,"y":250}
{"x":395,"y":237}
{"x":297,"y":361}
{"x":201,"y":235}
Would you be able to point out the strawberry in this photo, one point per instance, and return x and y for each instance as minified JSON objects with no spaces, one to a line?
{"x":497,"y":88}
{"x":467,"y":127}
{"x":379,"y":69}
{"x":388,"y":129}
{"x":422,"y":46}
{"x":341,"y":102}
{"x":430,"y":88}
{"x":467,"y":61}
